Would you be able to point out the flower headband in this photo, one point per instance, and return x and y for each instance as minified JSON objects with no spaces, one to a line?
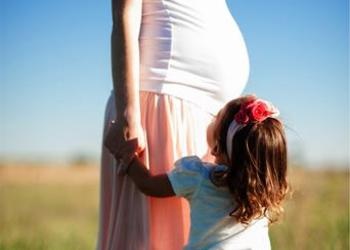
{"x":252,"y":111}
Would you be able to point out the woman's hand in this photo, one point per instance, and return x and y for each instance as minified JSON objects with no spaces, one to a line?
{"x":124,"y":141}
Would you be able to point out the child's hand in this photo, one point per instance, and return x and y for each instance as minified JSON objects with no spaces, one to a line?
{"x":121,"y":147}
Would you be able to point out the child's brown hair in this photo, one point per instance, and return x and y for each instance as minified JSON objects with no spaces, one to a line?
{"x":258,"y":165}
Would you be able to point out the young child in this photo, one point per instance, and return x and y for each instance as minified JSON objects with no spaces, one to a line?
{"x":233,"y":200}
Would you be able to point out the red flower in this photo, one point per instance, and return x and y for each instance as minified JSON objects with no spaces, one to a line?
{"x":255,"y":110}
{"x":241,"y":117}
{"x":258,"y":110}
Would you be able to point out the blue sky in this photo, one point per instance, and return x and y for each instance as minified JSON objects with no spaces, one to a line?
{"x":55,"y":74}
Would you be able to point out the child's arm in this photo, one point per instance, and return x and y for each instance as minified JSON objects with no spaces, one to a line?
{"x":151,"y":185}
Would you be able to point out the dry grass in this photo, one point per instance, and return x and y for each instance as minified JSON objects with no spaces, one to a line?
{"x":48,"y":208}
{"x":317,"y":215}
{"x":21,"y":174}
{"x":57,"y":208}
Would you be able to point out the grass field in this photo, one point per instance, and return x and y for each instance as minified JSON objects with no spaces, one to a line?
{"x":57,"y":208}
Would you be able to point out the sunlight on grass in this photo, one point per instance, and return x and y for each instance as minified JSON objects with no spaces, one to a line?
{"x":317,"y":215}
{"x":57,"y":208}
{"x":59,"y":214}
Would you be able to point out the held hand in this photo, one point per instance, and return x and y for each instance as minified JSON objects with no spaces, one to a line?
{"x":123,"y":141}
{"x":136,"y":132}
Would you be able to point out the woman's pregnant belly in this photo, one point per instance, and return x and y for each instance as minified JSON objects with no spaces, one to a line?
{"x":192,"y":48}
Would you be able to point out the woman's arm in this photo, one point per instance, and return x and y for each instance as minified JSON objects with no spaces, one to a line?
{"x":152,"y":185}
{"x":125,"y":66}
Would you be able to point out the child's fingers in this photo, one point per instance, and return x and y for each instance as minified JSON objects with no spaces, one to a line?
{"x":112,"y":139}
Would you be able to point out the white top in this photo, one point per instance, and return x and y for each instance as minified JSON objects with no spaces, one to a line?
{"x":211,"y":226}
{"x":192,"y":49}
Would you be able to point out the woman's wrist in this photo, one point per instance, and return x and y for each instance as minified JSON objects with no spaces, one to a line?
{"x":130,"y":116}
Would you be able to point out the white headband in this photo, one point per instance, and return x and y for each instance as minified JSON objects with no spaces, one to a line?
{"x":232,"y":129}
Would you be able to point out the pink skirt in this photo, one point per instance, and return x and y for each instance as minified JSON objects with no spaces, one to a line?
{"x":173,"y":128}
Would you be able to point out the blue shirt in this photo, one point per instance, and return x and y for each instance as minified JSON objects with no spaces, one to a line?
{"x":211,"y":225}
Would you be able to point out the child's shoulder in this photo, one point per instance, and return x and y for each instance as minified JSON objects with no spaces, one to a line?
{"x":187,"y":176}
{"x":189,"y":160}
{"x":195,"y":165}
{"x":192,"y":164}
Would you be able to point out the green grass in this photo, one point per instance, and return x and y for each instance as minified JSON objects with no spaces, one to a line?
{"x":59,"y":210}
{"x":48,"y":215}
{"x":317,"y":216}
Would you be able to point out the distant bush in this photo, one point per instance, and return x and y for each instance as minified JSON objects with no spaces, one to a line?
{"x":82,"y":160}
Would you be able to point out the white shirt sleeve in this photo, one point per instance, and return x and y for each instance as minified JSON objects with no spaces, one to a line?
{"x":186,"y":177}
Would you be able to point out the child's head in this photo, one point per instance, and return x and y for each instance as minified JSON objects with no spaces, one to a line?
{"x":248,"y":138}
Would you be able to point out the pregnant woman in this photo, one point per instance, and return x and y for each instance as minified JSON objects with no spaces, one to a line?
{"x":174,"y":64}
